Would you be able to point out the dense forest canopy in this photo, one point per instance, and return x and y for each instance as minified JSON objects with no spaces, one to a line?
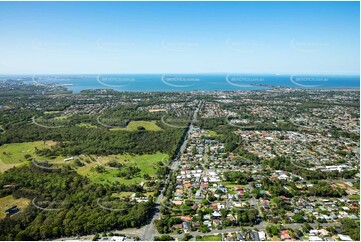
{"x":71,"y":207}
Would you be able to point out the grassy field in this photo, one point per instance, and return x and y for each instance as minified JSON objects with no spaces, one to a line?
{"x":122,"y":194}
{"x":147,"y":164}
{"x":62,"y":117}
{"x":128,"y":194}
{"x":281,"y":122}
{"x":51,"y":112}
{"x":354,"y":197}
{"x":86,"y":125}
{"x":147,"y":125}
{"x":210,"y":133}
{"x":14,"y":154}
{"x":217,"y":237}
{"x":9,"y":201}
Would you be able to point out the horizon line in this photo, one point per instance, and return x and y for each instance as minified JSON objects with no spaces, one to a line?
{"x":185,"y":73}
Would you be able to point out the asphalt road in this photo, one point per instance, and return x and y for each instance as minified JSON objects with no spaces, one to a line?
{"x":259,"y":227}
{"x":149,"y":230}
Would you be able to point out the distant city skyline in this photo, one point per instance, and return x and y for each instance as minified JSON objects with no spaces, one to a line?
{"x":179,"y":37}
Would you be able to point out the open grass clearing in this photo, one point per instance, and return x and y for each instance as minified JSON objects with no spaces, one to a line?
{"x":134,"y":125}
{"x":148,"y":164}
{"x":86,"y":125}
{"x":122,"y":194}
{"x":354,"y":197}
{"x":14,"y":154}
{"x":51,"y":112}
{"x":62,"y":117}
{"x":210,"y":133}
{"x":213,"y":237}
{"x":8,"y":201}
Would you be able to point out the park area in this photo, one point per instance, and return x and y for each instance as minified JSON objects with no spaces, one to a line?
{"x":148,"y":164}
{"x":18,"y":153}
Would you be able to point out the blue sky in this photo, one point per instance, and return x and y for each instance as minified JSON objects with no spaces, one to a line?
{"x":179,"y":37}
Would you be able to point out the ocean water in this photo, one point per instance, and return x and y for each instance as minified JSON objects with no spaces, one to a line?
{"x":191,"y":82}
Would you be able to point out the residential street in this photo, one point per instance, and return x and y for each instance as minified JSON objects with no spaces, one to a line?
{"x":149,"y":230}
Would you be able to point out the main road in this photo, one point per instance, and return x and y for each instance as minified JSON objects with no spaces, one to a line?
{"x":149,"y":230}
